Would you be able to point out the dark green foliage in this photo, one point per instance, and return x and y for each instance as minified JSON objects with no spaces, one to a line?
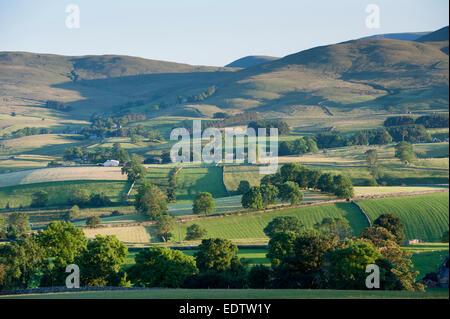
{"x":433,"y":120}
{"x":298,"y":146}
{"x":283,"y":224}
{"x":252,"y":199}
{"x":290,"y":191}
{"x":343,"y":187}
{"x":20,"y":222}
{"x":204,"y":203}
{"x":282,"y":126}
{"x":392,"y":223}
{"x":216,"y":255}
{"x":134,"y":170}
{"x":161,"y":267}
{"x":40,"y":199}
{"x":334,"y":227}
{"x":409,"y":133}
{"x":243,"y":187}
{"x":164,"y":225}
{"x":398,"y":120}
{"x":269,"y":194}
{"x":93,"y":221}
{"x":259,"y":277}
{"x":281,"y":245}
{"x":195,"y":232}
{"x":404,"y":152}
{"x":100,"y":262}
{"x":151,"y":201}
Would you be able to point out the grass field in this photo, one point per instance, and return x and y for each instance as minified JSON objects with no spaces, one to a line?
{"x":130,"y":235}
{"x":239,"y":294}
{"x":192,"y":181}
{"x":60,"y":192}
{"x":56,"y":174}
{"x":425,"y":217}
{"x":249,"y":228}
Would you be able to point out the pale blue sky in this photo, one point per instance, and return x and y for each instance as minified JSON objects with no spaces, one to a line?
{"x":204,"y":32}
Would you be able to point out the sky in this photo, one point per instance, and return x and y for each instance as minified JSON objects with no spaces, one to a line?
{"x":205,"y":32}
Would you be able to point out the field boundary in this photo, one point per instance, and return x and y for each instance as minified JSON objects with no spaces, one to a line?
{"x":363,"y":212}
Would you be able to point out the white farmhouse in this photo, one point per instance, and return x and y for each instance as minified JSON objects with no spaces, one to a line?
{"x":111,"y":163}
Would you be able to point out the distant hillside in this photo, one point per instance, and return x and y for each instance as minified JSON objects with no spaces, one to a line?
{"x":250,"y":61}
{"x":406,"y":36}
{"x":378,"y":74}
{"x":436,"y":36}
{"x":360,"y":73}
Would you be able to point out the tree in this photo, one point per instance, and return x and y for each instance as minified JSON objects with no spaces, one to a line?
{"x":392,"y":223}
{"x":252,"y":199}
{"x":283,"y":224}
{"x":444,"y":236}
{"x":74,"y":212}
{"x":165,"y":156}
{"x":259,"y":277}
{"x":204,"y":203}
{"x":371,"y":157}
{"x":62,"y":242}
{"x":313,"y":178}
{"x":151,"y":201}
{"x":289,"y":171}
{"x":99,"y":200}
{"x":21,"y":260}
{"x":281,"y":245}
{"x":119,"y":154}
{"x":334,"y":227}
{"x":20,"y":221}
{"x":195,"y":232}
{"x":302,"y":268}
{"x":93,"y":221}
{"x":379,"y":237}
{"x":134,"y":170}
{"x":343,"y":187}
{"x":40,"y":199}
{"x":164,"y":225}
{"x":346,"y":266}
{"x":81,"y":197}
{"x":161,"y":267}
{"x":325,"y":183}
{"x":243,"y":187}
{"x":216,"y":254}
{"x":2,"y":222}
{"x":100,"y":262}
{"x":72,"y":153}
{"x":404,"y":152}
{"x":290,"y":191}
{"x":269,"y":194}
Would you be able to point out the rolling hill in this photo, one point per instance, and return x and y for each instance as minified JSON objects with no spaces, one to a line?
{"x":372,"y":73}
{"x":250,"y":61}
{"x":405,"y":36}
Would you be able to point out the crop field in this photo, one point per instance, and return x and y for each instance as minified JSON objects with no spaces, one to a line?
{"x":239,"y":294}
{"x":22,"y":162}
{"x":129,"y":235}
{"x":59,"y":192}
{"x":386,"y":190}
{"x":425,"y":217}
{"x":57,"y":174}
{"x":45,"y":144}
{"x":192,"y":181}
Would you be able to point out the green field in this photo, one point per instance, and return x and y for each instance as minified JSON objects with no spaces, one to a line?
{"x":59,"y":192}
{"x":425,"y":217}
{"x":248,"y":228}
{"x":192,"y":181}
{"x":239,"y":294}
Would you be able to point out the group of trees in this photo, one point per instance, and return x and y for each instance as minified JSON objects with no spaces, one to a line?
{"x":299,"y":146}
{"x":329,"y":257}
{"x":286,"y":185}
{"x":97,"y":155}
{"x":82,"y":198}
{"x":172,"y":187}
{"x":224,"y":120}
{"x":366,"y":137}
{"x":428,"y":121}
{"x":27,"y":131}
{"x":282,"y":126}
{"x":40,"y":259}
{"x":198,"y":97}
{"x":57,"y":105}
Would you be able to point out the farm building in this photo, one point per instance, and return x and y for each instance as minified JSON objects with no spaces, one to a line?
{"x":111,"y":163}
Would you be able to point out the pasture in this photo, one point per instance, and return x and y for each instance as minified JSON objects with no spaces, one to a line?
{"x":192,"y":181}
{"x":425,"y":217}
{"x":238,"y":294}
{"x":60,"y":192}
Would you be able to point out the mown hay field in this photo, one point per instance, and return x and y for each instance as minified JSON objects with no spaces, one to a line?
{"x":425,"y":217}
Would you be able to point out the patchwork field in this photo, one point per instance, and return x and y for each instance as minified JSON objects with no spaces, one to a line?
{"x":192,"y":181}
{"x":56,"y":174}
{"x":130,"y":235}
{"x":60,"y":192}
{"x":425,"y":217}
